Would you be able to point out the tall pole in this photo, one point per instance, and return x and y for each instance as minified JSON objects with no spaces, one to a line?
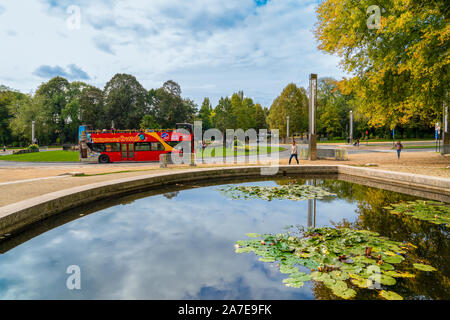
{"x":445,"y":133}
{"x":351,"y":127}
{"x":287,"y":129}
{"x":312,"y":117}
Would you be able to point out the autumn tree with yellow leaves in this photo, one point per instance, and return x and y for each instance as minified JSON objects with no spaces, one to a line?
{"x":397,"y":52}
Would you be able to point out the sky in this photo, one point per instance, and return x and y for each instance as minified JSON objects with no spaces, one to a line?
{"x":211,"y":48}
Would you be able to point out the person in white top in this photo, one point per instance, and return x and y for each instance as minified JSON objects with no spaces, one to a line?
{"x":294,"y":152}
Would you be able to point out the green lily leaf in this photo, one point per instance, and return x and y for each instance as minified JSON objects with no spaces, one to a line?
{"x":423,"y":267}
{"x":253,"y":235}
{"x":394,"y":259}
{"x":390,"y":295}
{"x":337,"y":257}
{"x":287,"y":269}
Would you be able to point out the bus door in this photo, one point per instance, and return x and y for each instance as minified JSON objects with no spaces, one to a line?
{"x":127,"y":151}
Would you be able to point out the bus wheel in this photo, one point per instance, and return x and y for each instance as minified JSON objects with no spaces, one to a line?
{"x":103,"y":159}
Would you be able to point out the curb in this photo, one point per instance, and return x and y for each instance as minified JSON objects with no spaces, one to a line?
{"x":18,"y":215}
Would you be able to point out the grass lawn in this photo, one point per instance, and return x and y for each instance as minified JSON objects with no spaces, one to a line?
{"x":22,"y":148}
{"x":48,"y":156}
{"x":72,"y":156}
{"x":229,"y":152}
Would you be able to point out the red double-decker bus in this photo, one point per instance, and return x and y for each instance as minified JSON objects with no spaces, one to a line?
{"x":132,"y":145}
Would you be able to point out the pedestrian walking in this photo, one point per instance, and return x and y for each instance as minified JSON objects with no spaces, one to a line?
{"x":294,"y":152}
{"x":203,"y":145}
{"x":399,"y":147}
{"x":4,"y":148}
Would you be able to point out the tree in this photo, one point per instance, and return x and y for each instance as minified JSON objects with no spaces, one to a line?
{"x":91,"y":108}
{"x":224,"y":117}
{"x":28,"y":109}
{"x":260,"y":117}
{"x":54,"y":95}
{"x":168,"y":107}
{"x":149,"y":122}
{"x":125,"y":101}
{"x":292,"y":102}
{"x":7,"y":98}
{"x":172,"y":88}
{"x":400,"y":67}
{"x":332,"y":109}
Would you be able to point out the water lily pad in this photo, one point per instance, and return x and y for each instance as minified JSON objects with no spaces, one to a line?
{"x":361,"y":283}
{"x":353,"y":263}
{"x":386,"y":266}
{"x":341,"y":290}
{"x":431,"y":211}
{"x":294,"y":192}
{"x":423,"y":267}
{"x":386,"y":280}
{"x":267,"y":259}
{"x":394,"y":259}
{"x":243,"y":250}
{"x":253,"y":235}
{"x":396,"y":274}
{"x":339,"y":275}
{"x":287,"y":269}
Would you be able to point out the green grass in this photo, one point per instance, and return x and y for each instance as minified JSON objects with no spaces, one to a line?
{"x":48,"y":156}
{"x":22,"y":148}
{"x":72,"y":156}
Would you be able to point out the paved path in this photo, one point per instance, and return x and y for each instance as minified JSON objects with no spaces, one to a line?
{"x":282,"y":155}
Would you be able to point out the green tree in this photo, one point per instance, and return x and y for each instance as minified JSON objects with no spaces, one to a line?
{"x":91,"y":108}
{"x":28,"y":109}
{"x":332,"y":109}
{"x":149,"y":122}
{"x":292,"y":102}
{"x":260,"y":117}
{"x":168,"y":107}
{"x":205,"y":114}
{"x":400,"y":68}
{"x":125,"y":102}
{"x":7,"y":98}
{"x":224,"y":117}
{"x":54,"y":95}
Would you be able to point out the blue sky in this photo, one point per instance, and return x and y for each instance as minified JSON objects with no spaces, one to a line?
{"x":211,"y":48}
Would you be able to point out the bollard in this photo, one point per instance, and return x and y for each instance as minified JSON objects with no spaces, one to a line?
{"x":163,"y":160}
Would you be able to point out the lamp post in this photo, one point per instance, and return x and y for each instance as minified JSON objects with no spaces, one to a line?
{"x":32,"y":132}
{"x":287,"y":129}
{"x":312,"y":116}
{"x":445,"y":133}
{"x":351,"y":127}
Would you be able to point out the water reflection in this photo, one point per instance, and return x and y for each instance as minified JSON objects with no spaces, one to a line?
{"x":180,"y":245}
{"x":432,"y":241}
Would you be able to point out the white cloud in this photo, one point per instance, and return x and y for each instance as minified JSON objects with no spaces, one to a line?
{"x":212,"y":48}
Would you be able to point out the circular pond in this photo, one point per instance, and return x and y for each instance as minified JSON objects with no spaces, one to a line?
{"x":182,"y":245}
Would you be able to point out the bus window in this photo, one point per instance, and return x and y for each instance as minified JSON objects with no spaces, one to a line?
{"x":97,"y":147}
{"x":157,"y":146}
{"x":142,"y":146}
{"x":112,"y":147}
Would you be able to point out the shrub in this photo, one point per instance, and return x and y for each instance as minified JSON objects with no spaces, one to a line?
{"x":33,"y":147}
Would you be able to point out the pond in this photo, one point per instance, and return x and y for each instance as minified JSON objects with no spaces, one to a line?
{"x":181,"y":245}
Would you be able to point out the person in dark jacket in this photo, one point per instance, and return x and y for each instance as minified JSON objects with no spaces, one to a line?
{"x":399,"y":147}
